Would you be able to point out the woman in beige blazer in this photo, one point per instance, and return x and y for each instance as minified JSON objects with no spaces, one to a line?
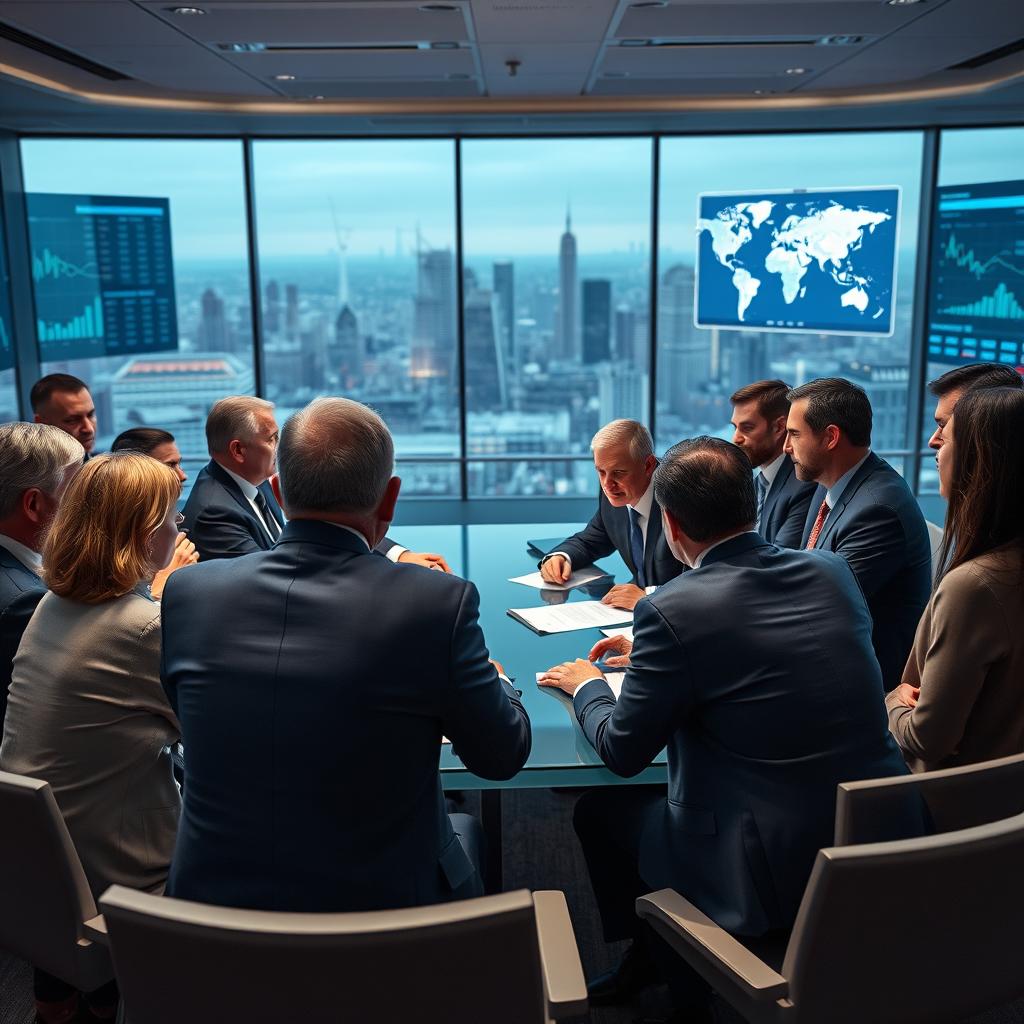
{"x":962,"y":696}
{"x":86,"y":711}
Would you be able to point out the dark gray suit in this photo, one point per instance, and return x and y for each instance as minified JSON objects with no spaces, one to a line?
{"x":878,"y":528}
{"x":313,"y":683}
{"x":785,"y":507}
{"x":762,"y":717}
{"x":16,"y":581}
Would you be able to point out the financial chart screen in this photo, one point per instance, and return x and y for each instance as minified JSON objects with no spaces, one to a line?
{"x":976,"y":307}
{"x":102,"y":275}
{"x":813,"y":260}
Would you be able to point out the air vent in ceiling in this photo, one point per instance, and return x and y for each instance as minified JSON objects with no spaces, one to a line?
{"x":990,"y":57}
{"x":682,"y":42}
{"x":335,"y":47}
{"x":54,"y":52}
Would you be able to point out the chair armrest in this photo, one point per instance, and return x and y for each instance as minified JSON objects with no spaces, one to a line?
{"x":565,"y":988}
{"x":95,"y":930}
{"x":696,"y":931}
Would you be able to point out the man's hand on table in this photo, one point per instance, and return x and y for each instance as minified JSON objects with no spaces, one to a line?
{"x":427,"y":559}
{"x":624,"y":595}
{"x":556,"y":569}
{"x":569,"y":675}
{"x":618,"y":645}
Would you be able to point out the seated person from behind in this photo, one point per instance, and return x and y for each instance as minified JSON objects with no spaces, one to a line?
{"x":760,"y":716}
{"x":961,"y":699}
{"x":231,"y":509}
{"x":63,"y":401}
{"x":342,"y":671}
{"x":759,"y":423}
{"x":627,"y":520}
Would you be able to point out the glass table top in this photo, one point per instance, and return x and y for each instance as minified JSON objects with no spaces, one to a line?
{"x":488,"y":555}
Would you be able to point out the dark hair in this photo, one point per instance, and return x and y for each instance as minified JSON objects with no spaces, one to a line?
{"x":45,"y":386}
{"x":771,"y":397}
{"x":838,"y":402}
{"x":976,"y":375}
{"x":707,"y":485}
{"x":987,"y":491}
{"x":141,"y":439}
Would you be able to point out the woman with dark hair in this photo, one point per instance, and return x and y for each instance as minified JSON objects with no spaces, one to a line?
{"x":961,"y":700}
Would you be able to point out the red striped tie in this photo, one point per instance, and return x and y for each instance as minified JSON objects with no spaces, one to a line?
{"x":818,"y":524}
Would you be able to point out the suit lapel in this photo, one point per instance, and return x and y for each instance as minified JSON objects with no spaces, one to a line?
{"x":651,"y":541}
{"x":275,"y":509}
{"x":23,"y":576}
{"x":775,"y":491}
{"x":221,"y":476}
{"x":870,"y":465}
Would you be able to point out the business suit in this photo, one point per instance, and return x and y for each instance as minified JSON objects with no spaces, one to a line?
{"x":608,"y":531}
{"x":878,"y":528}
{"x":299,"y":710}
{"x":785,"y":507}
{"x":762,"y":717}
{"x":87,"y":714}
{"x":16,"y":581}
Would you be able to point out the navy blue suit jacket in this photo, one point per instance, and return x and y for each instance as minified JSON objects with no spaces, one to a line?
{"x":878,"y":528}
{"x":313,"y":683}
{"x":608,"y":531}
{"x":16,"y":581}
{"x":785,"y":507}
{"x":762,"y":715}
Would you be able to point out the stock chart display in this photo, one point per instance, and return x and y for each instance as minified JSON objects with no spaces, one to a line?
{"x":976,"y":309}
{"x":102,"y":275}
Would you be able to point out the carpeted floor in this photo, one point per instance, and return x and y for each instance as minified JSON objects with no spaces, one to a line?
{"x":540,"y":851}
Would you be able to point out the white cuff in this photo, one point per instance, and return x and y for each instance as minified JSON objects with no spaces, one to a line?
{"x":651,"y":589}
{"x":396,"y":552}
{"x":584,"y":683}
{"x":552,"y":555}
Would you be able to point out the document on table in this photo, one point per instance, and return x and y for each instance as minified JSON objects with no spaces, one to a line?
{"x":613,"y":679}
{"x":577,"y":579}
{"x":626,"y":631}
{"x":562,"y":618}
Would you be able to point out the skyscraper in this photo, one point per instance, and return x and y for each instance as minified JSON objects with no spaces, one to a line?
{"x":291,"y":310}
{"x":272,"y":308}
{"x":565,"y":335}
{"x":687,"y":352}
{"x":346,"y":354}
{"x":433,"y":347}
{"x":485,"y":367}
{"x":504,"y":292}
{"x":597,"y":321}
{"x":213,"y":328}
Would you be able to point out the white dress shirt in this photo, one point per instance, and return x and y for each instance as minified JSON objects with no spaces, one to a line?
{"x":32,"y":560}
{"x":249,"y":492}
{"x":771,"y":471}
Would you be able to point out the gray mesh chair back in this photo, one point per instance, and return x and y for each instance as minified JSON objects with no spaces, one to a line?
{"x":955,"y":798}
{"x":43,"y":891}
{"x":456,"y":963}
{"x":919,"y":930}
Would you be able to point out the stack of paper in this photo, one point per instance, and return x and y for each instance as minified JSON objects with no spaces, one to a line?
{"x":626,"y":631}
{"x":562,"y":618}
{"x":577,"y":579}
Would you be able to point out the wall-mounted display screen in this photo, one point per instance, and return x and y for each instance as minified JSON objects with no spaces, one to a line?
{"x":976,"y":311}
{"x":814,"y":260}
{"x":102,"y":275}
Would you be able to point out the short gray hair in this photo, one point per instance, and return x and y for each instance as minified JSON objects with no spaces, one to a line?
{"x":335,"y":455}
{"x":630,"y":432}
{"x":233,"y":419}
{"x":33,"y":455}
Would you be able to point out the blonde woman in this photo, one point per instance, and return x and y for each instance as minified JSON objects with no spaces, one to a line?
{"x":86,"y":710}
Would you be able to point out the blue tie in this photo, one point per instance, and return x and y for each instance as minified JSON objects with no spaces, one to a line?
{"x":636,"y":546}
{"x":762,"y":493}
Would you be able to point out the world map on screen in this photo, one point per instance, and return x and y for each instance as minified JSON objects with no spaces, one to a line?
{"x":813,"y":261}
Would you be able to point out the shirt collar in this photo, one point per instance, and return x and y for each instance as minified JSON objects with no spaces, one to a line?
{"x":711,"y":547}
{"x":32,"y":560}
{"x":248,"y":489}
{"x":643,"y":506}
{"x":835,"y":492}
{"x":350,"y":529}
{"x":771,"y":469}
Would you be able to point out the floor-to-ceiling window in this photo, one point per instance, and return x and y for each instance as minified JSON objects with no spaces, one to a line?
{"x":770,"y":267}
{"x":8,"y":383}
{"x":157,"y":343}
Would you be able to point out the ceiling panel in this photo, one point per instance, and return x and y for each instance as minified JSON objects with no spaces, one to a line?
{"x":546,"y":21}
{"x":394,"y":89}
{"x":80,"y":23}
{"x":182,"y":67}
{"x":717,"y":61}
{"x":643,"y":86}
{"x":376,"y":64}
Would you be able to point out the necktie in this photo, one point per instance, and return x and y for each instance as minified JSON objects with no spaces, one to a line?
{"x":818,"y":524}
{"x":273,"y":527}
{"x":636,"y":546}
{"x":762,"y":493}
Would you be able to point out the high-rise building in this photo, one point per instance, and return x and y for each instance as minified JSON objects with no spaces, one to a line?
{"x":272,"y":308}
{"x":503,"y":279}
{"x":597,"y":320}
{"x":625,"y":334}
{"x":291,"y":311}
{"x":433,"y":345}
{"x":566,"y":346}
{"x":742,"y":359}
{"x":212,"y":335}
{"x":346,"y":355}
{"x":622,"y":392}
{"x":485,"y":367}
{"x":886,"y":387}
{"x":686,"y":350}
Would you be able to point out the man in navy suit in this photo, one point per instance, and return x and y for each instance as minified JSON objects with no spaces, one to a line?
{"x":311,"y":737}
{"x":232,"y":509}
{"x":762,"y":717}
{"x":37,"y":462}
{"x":759,"y":424}
{"x":862,"y":510}
{"x":627,"y":520}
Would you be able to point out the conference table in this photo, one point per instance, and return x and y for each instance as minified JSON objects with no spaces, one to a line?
{"x":561,"y":756}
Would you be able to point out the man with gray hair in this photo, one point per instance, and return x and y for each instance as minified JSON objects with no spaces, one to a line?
{"x":232,"y":510}
{"x":36,"y":463}
{"x":292,"y":670}
{"x":628,"y":519}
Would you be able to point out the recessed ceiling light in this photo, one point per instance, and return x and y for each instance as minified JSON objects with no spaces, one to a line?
{"x":186,"y":10}
{"x":796,"y":71}
{"x":902,"y":3}
{"x":284,"y":78}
